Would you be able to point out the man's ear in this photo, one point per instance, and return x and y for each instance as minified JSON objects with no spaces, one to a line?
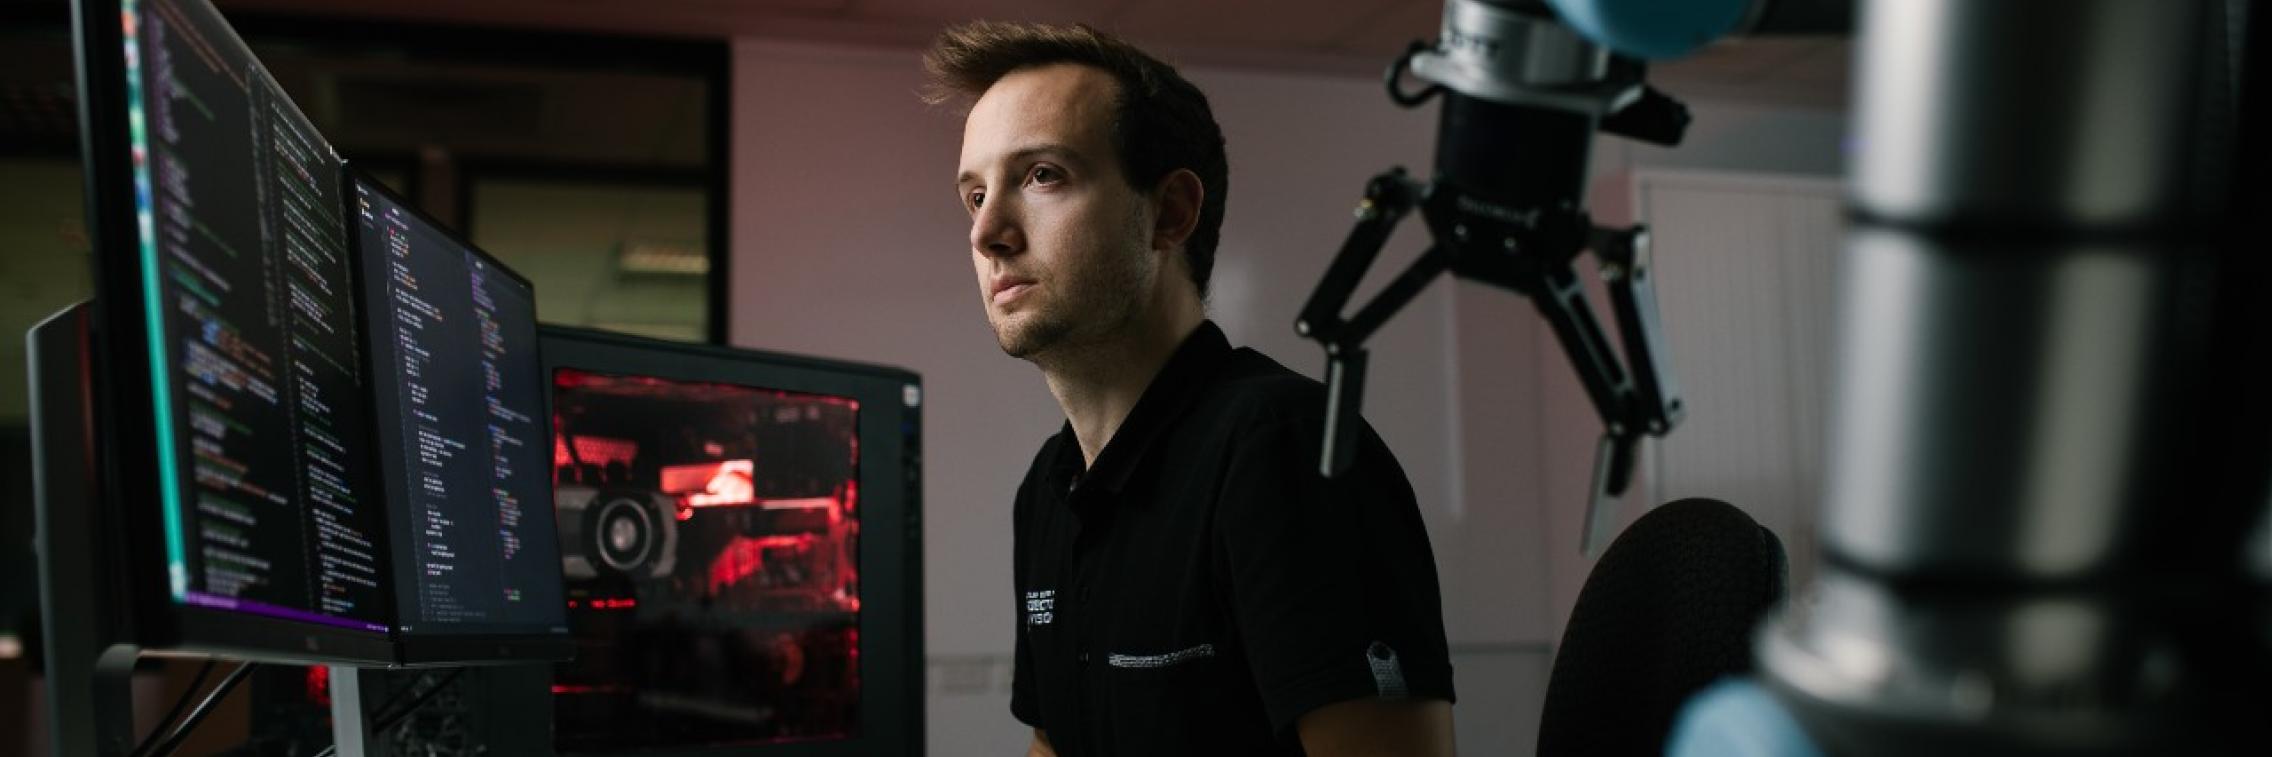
{"x":1178,"y":197}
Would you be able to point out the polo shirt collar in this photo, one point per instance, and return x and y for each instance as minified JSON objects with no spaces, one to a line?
{"x":1171,"y":392}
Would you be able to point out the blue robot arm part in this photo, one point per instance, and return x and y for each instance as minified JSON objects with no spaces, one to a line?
{"x":1655,"y":29}
{"x":1667,"y":29}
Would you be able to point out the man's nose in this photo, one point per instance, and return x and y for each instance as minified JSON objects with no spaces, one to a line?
{"x":995,"y":232}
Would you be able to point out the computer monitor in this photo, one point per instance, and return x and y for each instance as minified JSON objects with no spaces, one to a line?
{"x":228,"y":393}
{"x":463,"y":439}
{"x":741,"y":536}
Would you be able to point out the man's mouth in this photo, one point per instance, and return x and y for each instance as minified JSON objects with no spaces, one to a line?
{"x":1008,"y":290}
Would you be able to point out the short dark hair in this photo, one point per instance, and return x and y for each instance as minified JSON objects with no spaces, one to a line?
{"x":1160,"y":122}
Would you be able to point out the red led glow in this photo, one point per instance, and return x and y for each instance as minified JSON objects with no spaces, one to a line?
{"x":720,"y":484}
{"x":593,"y":450}
{"x":772,"y":558}
{"x":745,"y":556}
{"x":605,"y":603}
{"x":318,"y":684}
{"x":569,"y":379}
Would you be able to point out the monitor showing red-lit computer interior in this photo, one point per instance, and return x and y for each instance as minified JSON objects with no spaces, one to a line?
{"x":711,"y":539}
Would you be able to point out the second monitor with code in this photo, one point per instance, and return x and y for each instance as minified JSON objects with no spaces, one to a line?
{"x":464,"y":443}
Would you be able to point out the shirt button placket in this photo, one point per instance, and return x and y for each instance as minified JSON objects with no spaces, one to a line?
{"x":1081,"y":600}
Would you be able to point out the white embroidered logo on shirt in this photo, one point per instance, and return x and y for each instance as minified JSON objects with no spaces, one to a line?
{"x":1160,"y":660}
{"x":1041,"y":607}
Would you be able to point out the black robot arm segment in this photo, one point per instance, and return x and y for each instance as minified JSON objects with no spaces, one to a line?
{"x":1625,"y":266}
{"x":1523,"y":98}
{"x":1388,"y":197}
{"x":1530,"y":253}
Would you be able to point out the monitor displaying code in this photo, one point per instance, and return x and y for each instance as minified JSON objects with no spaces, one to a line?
{"x":464,"y":440}
{"x":247,"y":287}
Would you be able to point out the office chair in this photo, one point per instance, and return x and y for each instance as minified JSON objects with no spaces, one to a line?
{"x":1667,"y":610}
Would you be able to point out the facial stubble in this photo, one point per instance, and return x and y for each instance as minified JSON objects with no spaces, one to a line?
{"x":1090,"y":306}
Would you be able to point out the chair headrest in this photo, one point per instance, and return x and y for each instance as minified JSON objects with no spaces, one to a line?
{"x":1668,"y":609}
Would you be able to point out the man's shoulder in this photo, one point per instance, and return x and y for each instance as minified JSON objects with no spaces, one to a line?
{"x":1252,"y":389}
{"x":1260,"y":404}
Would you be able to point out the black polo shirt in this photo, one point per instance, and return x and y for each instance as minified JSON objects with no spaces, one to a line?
{"x":1202,"y":587}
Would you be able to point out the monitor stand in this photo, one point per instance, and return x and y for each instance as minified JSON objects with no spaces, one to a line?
{"x":511,"y":715}
{"x":350,"y":719}
{"x":90,"y":667}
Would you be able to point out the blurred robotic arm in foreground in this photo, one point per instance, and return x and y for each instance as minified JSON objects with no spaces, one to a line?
{"x":2043,"y":529}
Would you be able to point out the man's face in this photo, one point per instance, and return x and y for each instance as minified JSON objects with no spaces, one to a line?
{"x":1058,"y":238}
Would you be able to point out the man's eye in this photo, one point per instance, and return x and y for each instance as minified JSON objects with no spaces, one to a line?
{"x":977,"y":199}
{"x":1046,"y":175}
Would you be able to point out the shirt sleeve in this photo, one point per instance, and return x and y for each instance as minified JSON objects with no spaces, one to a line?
{"x":1332,"y":583}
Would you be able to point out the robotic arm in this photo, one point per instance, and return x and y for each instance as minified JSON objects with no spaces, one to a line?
{"x":1523,"y":95}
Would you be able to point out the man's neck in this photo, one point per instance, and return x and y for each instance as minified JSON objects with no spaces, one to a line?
{"x":1100,"y":385}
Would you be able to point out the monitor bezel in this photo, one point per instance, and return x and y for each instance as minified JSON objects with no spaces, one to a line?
{"x":419,"y":649}
{"x":891,"y":607}
{"x":124,"y":405}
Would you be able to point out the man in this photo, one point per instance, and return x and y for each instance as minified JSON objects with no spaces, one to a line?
{"x":1186,"y":582}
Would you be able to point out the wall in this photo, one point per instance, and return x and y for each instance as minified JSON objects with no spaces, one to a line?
{"x":1749,"y":274}
{"x":43,"y":264}
{"x":848,"y":243}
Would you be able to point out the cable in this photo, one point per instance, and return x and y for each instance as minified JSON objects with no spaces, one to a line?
{"x":181,"y":732}
{"x":395,"y":696}
{"x":159,"y":730}
{"x":382,"y":722}
{"x":1396,"y":72}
